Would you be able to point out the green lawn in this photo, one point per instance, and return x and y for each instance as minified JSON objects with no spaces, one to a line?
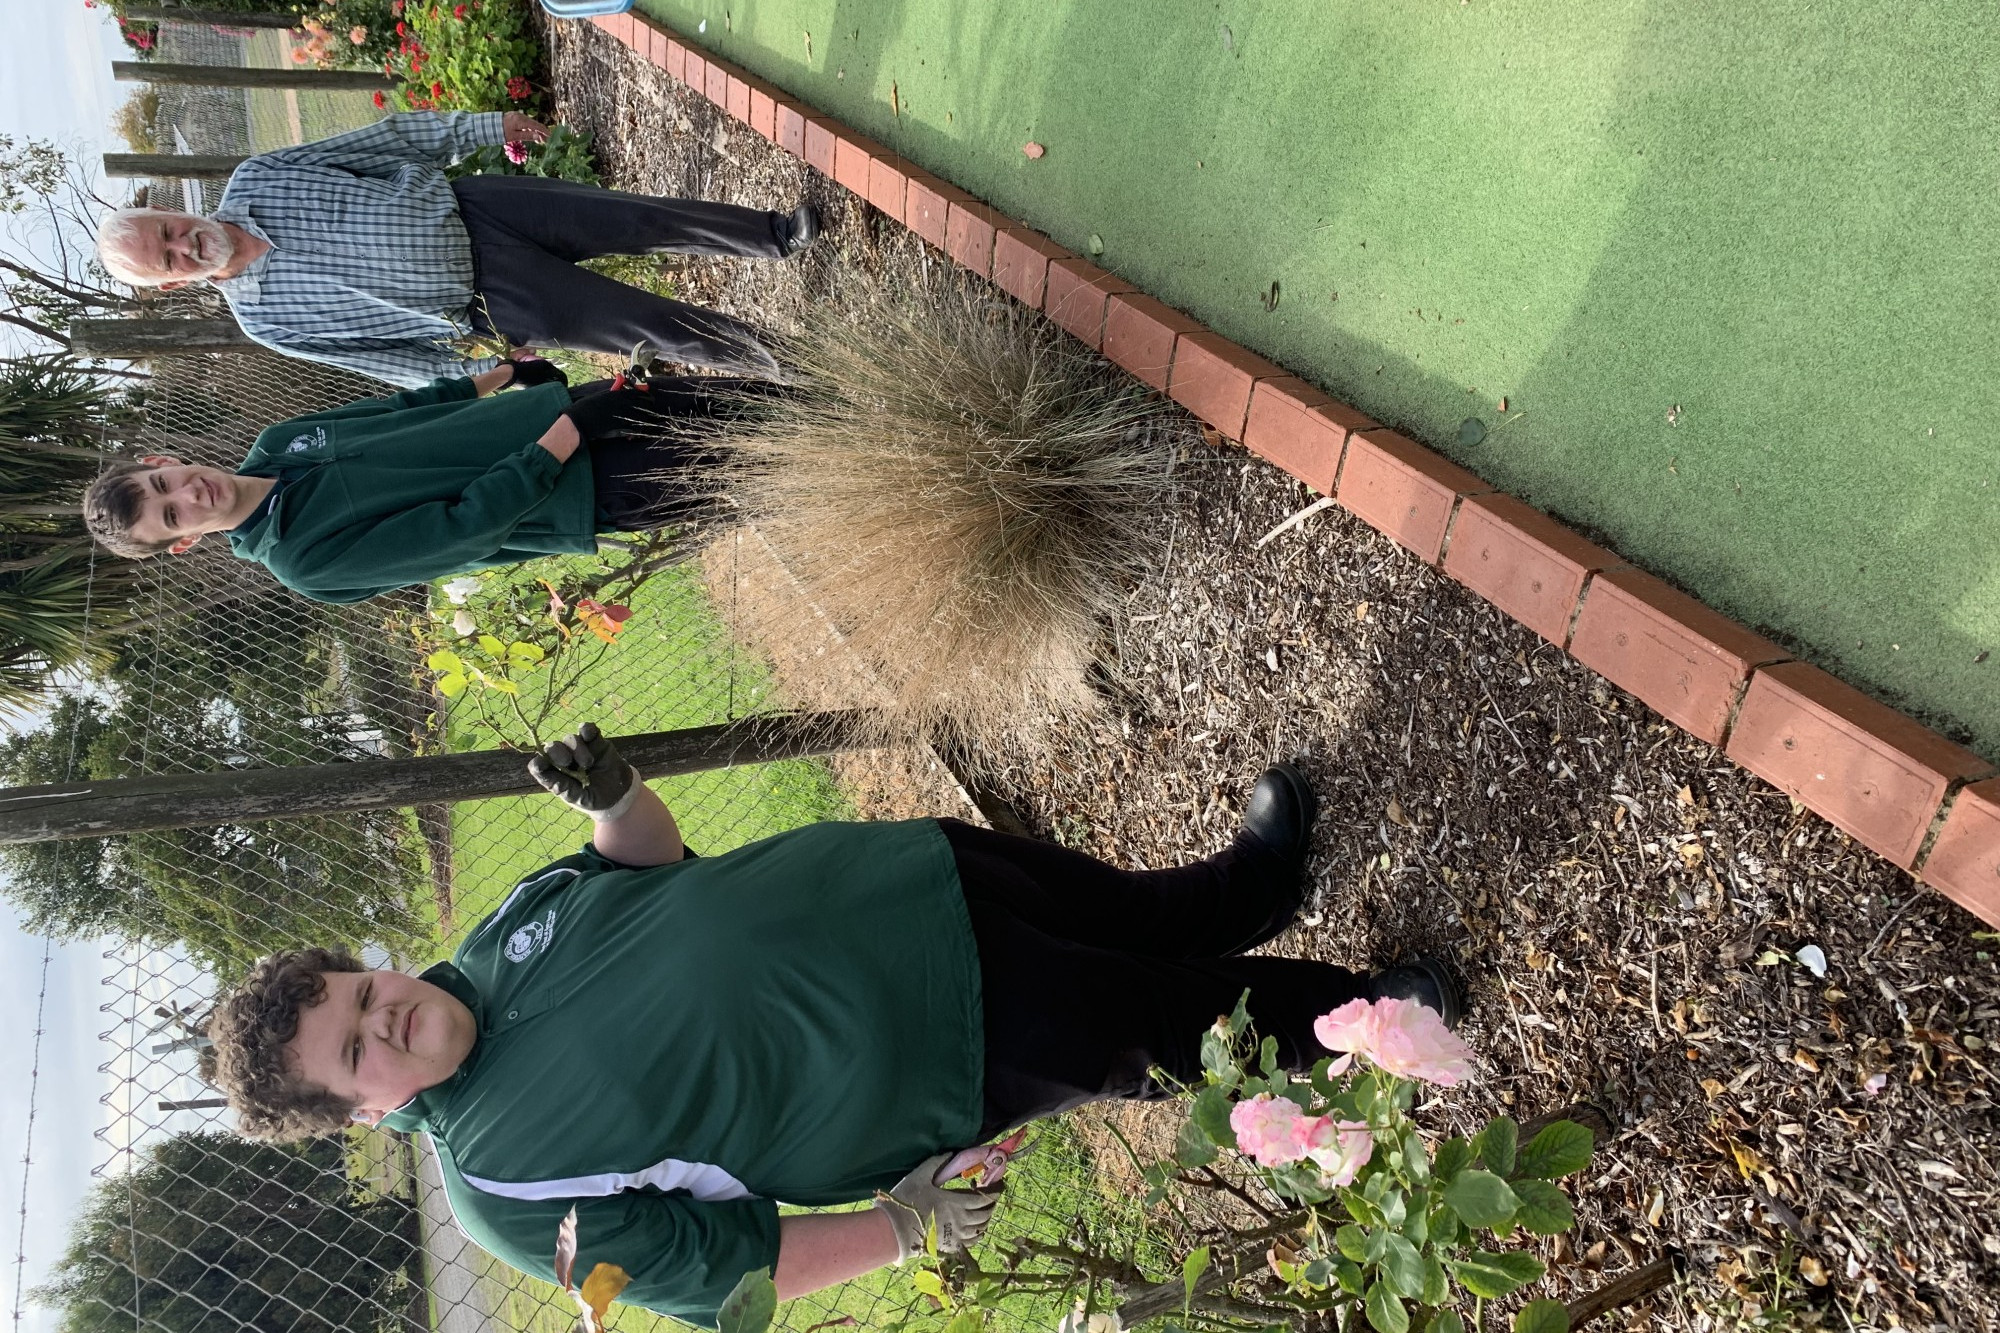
{"x":1733,"y":267}
{"x":672,"y":666}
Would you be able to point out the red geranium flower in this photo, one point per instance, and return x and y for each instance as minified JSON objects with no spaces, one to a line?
{"x":458,"y":11}
{"x":437,"y":90}
{"x":381,"y":100}
{"x":519,"y":88}
{"x":402,"y":28}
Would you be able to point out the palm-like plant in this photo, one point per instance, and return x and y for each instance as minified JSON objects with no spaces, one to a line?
{"x":60,"y":600}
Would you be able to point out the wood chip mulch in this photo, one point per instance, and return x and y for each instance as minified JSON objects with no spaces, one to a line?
{"x":1640,"y":923}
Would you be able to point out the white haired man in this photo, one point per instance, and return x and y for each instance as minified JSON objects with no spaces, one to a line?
{"x":358,"y":251}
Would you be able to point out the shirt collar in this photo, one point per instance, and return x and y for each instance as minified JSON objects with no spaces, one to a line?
{"x":424,"y":1110}
{"x":264,"y":507}
{"x":245,"y":286}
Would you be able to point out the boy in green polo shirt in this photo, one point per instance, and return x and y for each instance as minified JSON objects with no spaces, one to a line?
{"x":670,"y":1045}
{"x":351,"y":503}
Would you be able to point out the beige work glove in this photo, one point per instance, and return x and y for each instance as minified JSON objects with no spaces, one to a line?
{"x":919,"y":1202}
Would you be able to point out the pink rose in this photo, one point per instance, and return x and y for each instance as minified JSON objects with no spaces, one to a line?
{"x":1339,"y":1148}
{"x":1401,"y":1037}
{"x":1267,"y":1128}
{"x":357,"y":34}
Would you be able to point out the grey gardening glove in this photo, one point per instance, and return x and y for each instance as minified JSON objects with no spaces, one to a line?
{"x":587,"y":772}
{"x":919,"y":1200}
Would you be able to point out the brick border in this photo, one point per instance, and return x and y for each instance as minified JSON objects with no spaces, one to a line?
{"x":1917,"y":799}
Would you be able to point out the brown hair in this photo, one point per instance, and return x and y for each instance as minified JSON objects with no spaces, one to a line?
{"x":251,"y":1028}
{"x":111,"y":506}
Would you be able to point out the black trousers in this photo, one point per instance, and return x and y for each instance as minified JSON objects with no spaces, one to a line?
{"x":1092,"y":975}
{"x":528,"y":232}
{"x":658,"y":470}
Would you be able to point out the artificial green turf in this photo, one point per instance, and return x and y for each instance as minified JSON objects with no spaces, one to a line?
{"x":1732,"y":266}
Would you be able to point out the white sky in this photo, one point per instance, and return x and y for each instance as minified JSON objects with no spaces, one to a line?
{"x":55,"y":83}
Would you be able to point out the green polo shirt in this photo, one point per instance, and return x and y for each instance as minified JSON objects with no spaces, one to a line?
{"x":676,"y":1050}
{"x":418,"y":486}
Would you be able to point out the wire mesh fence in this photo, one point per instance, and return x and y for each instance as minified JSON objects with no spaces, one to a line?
{"x":190,"y":1227}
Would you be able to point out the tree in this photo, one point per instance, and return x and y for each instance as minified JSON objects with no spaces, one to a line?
{"x":60,"y":602}
{"x":209,"y":1231}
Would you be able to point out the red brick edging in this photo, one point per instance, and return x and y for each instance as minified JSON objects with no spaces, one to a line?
{"x":1930,"y":806}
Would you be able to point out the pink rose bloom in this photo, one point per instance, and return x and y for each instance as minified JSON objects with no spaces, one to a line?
{"x":517,"y":153}
{"x":1339,"y":1148}
{"x":1267,"y":1128}
{"x":1401,"y":1037}
{"x":357,"y":34}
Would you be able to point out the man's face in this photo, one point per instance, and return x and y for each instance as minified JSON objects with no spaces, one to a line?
{"x":180,"y":248}
{"x":379,"y":1038}
{"x":178,"y":502}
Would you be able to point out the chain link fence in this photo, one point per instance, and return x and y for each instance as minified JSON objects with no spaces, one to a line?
{"x":190,"y":1227}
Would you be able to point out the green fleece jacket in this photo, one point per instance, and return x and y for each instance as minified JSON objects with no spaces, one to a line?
{"x":421,"y":485}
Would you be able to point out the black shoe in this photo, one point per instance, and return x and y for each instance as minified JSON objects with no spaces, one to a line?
{"x":1281,"y":813}
{"x":1426,"y":981}
{"x":802,"y":229}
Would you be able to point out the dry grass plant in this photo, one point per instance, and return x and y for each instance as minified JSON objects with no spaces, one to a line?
{"x":965,"y":495}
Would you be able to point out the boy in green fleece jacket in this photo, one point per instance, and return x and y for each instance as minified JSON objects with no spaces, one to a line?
{"x":358,"y":501}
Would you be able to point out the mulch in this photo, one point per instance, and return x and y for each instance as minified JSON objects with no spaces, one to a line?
{"x":1627,"y":907}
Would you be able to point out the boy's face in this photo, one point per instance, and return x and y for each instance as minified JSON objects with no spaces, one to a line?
{"x":380,"y":1038}
{"x":179,"y":502}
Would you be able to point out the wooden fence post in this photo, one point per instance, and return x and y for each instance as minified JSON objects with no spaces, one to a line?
{"x":139,"y":339}
{"x":232,"y":76}
{"x":218,"y":18}
{"x":170,"y":166}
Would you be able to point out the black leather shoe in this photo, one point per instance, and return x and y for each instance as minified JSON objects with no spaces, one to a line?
{"x":1425,"y":980}
{"x":1281,"y":813}
{"x":802,"y":230}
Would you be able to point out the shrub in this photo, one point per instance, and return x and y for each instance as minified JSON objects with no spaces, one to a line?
{"x":965,"y":495}
{"x":463,"y":55}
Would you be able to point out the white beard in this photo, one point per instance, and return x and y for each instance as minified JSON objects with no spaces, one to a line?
{"x":217,"y":248}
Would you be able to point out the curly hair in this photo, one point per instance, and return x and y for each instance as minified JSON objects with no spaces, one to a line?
{"x":111,"y":507}
{"x":250,"y":1029}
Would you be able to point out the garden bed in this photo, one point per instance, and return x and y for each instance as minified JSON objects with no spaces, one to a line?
{"x":1629,"y":908}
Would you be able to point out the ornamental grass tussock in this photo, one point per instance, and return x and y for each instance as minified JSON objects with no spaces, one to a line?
{"x":966,"y":498}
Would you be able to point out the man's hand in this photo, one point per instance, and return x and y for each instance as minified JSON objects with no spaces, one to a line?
{"x":918,"y":1202}
{"x":587,"y":772}
{"x":523,"y":129}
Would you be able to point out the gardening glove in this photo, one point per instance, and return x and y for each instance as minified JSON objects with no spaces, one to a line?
{"x":621,"y":407}
{"x":587,"y":772}
{"x":529,"y":371}
{"x":918,"y":1202}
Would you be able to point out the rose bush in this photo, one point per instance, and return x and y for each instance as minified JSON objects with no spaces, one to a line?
{"x":462,"y":55}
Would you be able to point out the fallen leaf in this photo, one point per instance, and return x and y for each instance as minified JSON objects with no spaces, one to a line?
{"x":1813,"y":959}
{"x":1805,"y":1060}
{"x":895,"y":99}
{"x":809,"y":46}
{"x":1812,"y":1270}
{"x":1539,"y":959}
{"x":1361,"y":610}
{"x":1269,"y":299}
{"x":1685,"y":796}
{"x":1032,"y":150}
{"x":1096,"y":244}
{"x":601,"y":1288}
{"x":1748,"y":1163}
{"x":1281,"y":1253}
{"x":1691,"y":853}
{"x":1770,"y":958}
{"x":1397,"y":815}
{"x":1712,"y":1087}
{"x":1271,"y":657}
{"x":1503,"y":404}
{"x":1657,"y":1209}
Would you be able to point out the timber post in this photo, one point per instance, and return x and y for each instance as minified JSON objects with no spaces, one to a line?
{"x":214,"y":18}
{"x":139,"y":339}
{"x":232,"y":76}
{"x":170,"y":166}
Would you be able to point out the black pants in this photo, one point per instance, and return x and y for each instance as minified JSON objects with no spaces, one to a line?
{"x":660,"y":470}
{"x":1092,"y":975}
{"x":528,"y":232}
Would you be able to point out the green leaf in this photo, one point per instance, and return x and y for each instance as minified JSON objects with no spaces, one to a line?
{"x":1395,"y":1206}
{"x":444,"y":659}
{"x":500,"y":683}
{"x":1453,"y":1156}
{"x":1210,"y":1113}
{"x":1402,"y":1266}
{"x":1219,"y":1059}
{"x":1417,"y":1225}
{"x":1490,"y":1275}
{"x":750,"y":1305}
{"x":524,"y":654}
{"x":1416,"y":1162}
{"x":1481,"y":1199}
{"x":1542,"y":1316}
{"x":1447,"y":1321}
{"x":969,"y":1319}
{"x":1352,"y":1242}
{"x":1545,"y":1209}
{"x":452,"y":684}
{"x":1385,"y":1313}
{"x":1192,"y":1146}
{"x":929,"y":1283}
{"x":1435,"y":1286}
{"x":1562,"y":1149}
{"x":1348,"y":1275}
{"x":1319,"y":1272}
{"x":491,"y":646}
{"x":1192,"y":1268}
{"x":1495,"y":1145}
{"x":1267,"y":1057}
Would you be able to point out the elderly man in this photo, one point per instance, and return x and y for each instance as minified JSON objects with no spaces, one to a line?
{"x":357,"y":251}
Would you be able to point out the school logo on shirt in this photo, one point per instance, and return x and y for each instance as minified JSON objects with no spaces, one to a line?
{"x":531,"y":939}
{"x":312,"y":439}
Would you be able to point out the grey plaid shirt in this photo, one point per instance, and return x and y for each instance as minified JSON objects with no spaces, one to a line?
{"x":369,"y":267}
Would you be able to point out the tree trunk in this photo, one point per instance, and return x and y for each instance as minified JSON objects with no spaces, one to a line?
{"x":242,"y":796}
{"x":138,"y":339}
{"x":233,"y":76}
{"x":219,"y":18}
{"x":170,"y":166}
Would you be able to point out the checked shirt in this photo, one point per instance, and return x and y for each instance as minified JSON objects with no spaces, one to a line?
{"x":370,"y":268}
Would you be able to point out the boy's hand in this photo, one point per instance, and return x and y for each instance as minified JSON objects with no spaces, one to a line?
{"x":587,"y":772}
{"x":918,"y":1202}
{"x":532,"y":370}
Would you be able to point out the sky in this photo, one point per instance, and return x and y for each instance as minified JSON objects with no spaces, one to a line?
{"x":55,"y":84}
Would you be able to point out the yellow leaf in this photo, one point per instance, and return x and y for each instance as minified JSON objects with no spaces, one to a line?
{"x":1748,"y":1163}
{"x":601,"y":1288}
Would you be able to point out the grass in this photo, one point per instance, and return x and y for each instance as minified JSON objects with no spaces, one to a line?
{"x":320,"y":114}
{"x":1758,"y":215}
